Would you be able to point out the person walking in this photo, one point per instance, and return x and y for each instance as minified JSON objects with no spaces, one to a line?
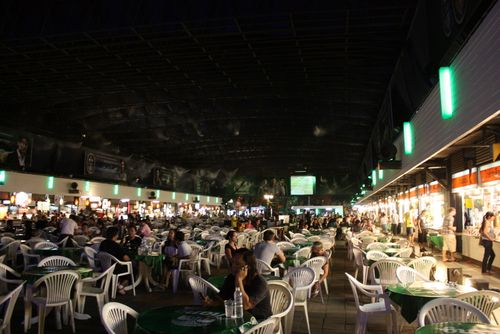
{"x":487,"y":237}
{"x":448,"y":232}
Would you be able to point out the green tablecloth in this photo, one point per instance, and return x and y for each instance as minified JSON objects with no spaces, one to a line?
{"x":155,"y":262}
{"x":305,"y":244}
{"x":437,"y":240}
{"x":189,"y":319}
{"x":413,"y":297}
{"x":72,"y":253}
{"x":290,"y":251}
{"x":290,"y":261}
{"x":391,"y":251}
{"x":32,"y":274}
{"x":458,"y":327}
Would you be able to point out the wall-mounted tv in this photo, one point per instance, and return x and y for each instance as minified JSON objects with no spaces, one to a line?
{"x":302,"y":185}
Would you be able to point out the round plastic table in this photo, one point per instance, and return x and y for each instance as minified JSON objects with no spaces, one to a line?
{"x":189,"y":319}
{"x":458,"y":327}
{"x":72,"y":253}
{"x":413,"y":297}
{"x":32,"y":274}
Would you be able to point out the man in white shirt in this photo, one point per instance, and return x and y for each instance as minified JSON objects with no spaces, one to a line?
{"x":184,"y":250}
{"x":67,"y":228}
{"x":267,"y":249}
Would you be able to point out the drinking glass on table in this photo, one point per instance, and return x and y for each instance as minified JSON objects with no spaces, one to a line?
{"x":229,"y":308}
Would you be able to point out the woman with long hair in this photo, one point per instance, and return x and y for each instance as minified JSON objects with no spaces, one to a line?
{"x":487,"y":237}
{"x":231,"y":246}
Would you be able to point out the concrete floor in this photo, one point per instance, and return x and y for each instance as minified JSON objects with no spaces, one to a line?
{"x":337,"y":315}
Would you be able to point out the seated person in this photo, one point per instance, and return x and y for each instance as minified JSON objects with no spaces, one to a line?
{"x":256,"y":296}
{"x":111,"y":246}
{"x":317,"y":250}
{"x":231,"y":246}
{"x":132,"y":242}
{"x":267,"y":249}
{"x":181,"y":251}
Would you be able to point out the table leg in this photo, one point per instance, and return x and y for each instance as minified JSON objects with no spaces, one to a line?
{"x":289,"y":321}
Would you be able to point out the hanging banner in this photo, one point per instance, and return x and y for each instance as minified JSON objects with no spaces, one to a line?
{"x":464,"y":180}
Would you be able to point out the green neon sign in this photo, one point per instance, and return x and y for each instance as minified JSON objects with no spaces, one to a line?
{"x":408,"y":137}
{"x":3,"y":177}
{"x":374,"y":177}
{"x":446,"y":92}
{"x":87,"y":186}
{"x":186,"y":197}
{"x":380,"y":174}
{"x":173,"y":195}
{"x":157,"y":194}
{"x":139,"y":192}
{"x":50,"y":182}
{"x":116,"y":189}
{"x":208,"y":199}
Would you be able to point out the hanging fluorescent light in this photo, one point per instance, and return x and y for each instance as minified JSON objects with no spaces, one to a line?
{"x":446,"y":92}
{"x":408,"y":137}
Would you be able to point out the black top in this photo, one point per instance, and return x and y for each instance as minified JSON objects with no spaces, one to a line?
{"x":258,"y":292}
{"x":132,"y":245}
{"x":111,"y":247}
{"x":228,"y":246}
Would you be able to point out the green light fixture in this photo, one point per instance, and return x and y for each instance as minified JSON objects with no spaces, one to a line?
{"x":208,"y":199}
{"x":173,"y":195}
{"x":374,"y":177}
{"x":157,"y":194}
{"x":380,"y":174}
{"x":116,"y":189}
{"x":186,"y":197}
{"x":50,"y":182}
{"x":408,"y":137}
{"x":216,"y":199}
{"x":139,"y":192}
{"x":87,"y":186}
{"x":446,"y":92}
{"x":3,"y":176}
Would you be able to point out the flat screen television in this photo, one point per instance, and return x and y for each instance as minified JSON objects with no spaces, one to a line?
{"x":302,"y":185}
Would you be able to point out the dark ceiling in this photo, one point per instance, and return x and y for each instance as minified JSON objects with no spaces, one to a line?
{"x":266,"y":88}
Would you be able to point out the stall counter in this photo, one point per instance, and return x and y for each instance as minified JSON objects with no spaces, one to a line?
{"x":472,"y":249}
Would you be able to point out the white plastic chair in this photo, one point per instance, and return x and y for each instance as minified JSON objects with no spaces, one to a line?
{"x":199,"y":286}
{"x":107,"y":260}
{"x":90,"y":254}
{"x":2,"y":258}
{"x":376,"y":246}
{"x":4,"y":281}
{"x":58,"y":288}
{"x":186,"y":266}
{"x":316,"y":264}
{"x":11,"y":251}
{"x":485,"y":300}
{"x":56,"y":261}
{"x":301,"y":280}
{"x":423,"y":265}
{"x":81,"y":240}
{"x":407,"y":275}
{"x":63,"y":243}
{"x":281,"y":300}
{"x":450,"y":310}
{"x":297,"y":241}
{"x":97,"y":287}
{"x":263,"y":268}
{"x":303,"y":252}
{"x":380,"y":304}
{"x":33,"y":241}
{"x":29,"y":260}
{"x":386,"y":270}
{"x":45,"y":245}
{"x":405,"y":252}
{"x":360,"y":264}
{"x":283,"y":245}
{"x":114,"y":317}
{"x":216,"y":257}
{"x":265,"y":327}
{"x":7,"y":303}
{"x":242,"y":240}
{"x":376,"y":255}
{"x":314,"y":238}
{"x":97,"y":240}
{"x":204,"y":259}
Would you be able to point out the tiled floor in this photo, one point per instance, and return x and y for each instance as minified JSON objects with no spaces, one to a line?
{"x":337,"y":315}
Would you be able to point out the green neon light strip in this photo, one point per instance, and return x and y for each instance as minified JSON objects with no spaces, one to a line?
{"x":216,"y":199}
{"x":380,"y":174}
{"x":173,"y":195}
{"x":408,"y":137}
{"x":446,"y":92}
{"x":186,"y":197}
{"x":139,"y":192}
{"x":87,"y":186}
{"x":2,"y":177}
{"x":157,"y":194}
{"x":50,"y":182}
{"x":116,"y":189}
{"x":374,"y":177}
{"x":208,"y":199}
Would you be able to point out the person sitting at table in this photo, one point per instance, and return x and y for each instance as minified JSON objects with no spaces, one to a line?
{"x":132,"y":241}
{"x":231,"y":246}
{"x":318,"y":250}
{"x":145,"y":230}
{"x":111,"y":246}
{"x":256,"y":295}
{"x":267,"y":250}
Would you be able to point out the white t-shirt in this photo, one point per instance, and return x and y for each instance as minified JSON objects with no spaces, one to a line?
{"x":68,"y":226}
{"x":184,"y":250}
{"x":266,"y":251}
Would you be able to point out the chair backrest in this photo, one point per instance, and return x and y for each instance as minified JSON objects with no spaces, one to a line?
{"x":405,"y":252}
{"x":90,"y":253}
{"x":281,"y":298}
{"x":303,"y":252}
{"x":25,"y":249}
{"x":423,"y":265}
{"x":6,"y":240}
{"x":366,"y":290}
{"x":407,"y":275}
{"x":316,"y":264}
{"x":222,"y":246}
{"x":262,"y":267}
{"x":56,"y":261}
{"x":264,"y":327}
{"x":114,"y":317}
{"x":242,"y":240}
{"x":386,"y":270}
{"x":8,"y":302}
{"x":450,"y":310}
{"x":358,"y":256}
{"x":2,"y":258}
{"x":376,"y":246}
{"x":298,"y":241}
{"x":376,"y":255}
{"x":33,"y":241}
{"x":301,"y":279}
{"x":97,"y":240}
{"x":5,"y":271}
{"x":81,"y":240}
{"x":485,"y":300}
{"x":314,"y":238}
{"x":284,"y":245}
{"x":200,"y":287}
{"x":59,"y":285}
{"x":105,"y":259}
{"x":45,"y":244}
